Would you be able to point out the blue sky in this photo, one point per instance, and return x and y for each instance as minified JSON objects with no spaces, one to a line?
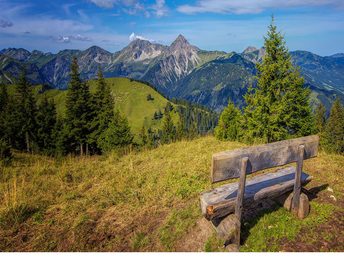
{"x":225,"y":25}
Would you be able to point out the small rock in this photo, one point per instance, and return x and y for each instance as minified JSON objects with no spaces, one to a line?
{"x":334,"y":198}
{"x":330,"y":189}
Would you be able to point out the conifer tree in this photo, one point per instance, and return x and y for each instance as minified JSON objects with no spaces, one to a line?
{"x":229,"y":123}
{"x":4,"y":97}
{"x":278,"y":109}
{"x":320,"y":118}
{"x":46,"y":120}
{"x":192,"y":132}
{"x":86,"y":108}
{"x":26,"y":112}
{"x":116,"y":135}
{"x":103,"y":108}
{"x":167,"y":130}
{"x":182,"y":132}
{"x":74,"y":125}
{"x":334,"y":133}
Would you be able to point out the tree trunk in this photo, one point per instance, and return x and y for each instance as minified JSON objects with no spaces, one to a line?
{"x":27,"y":144}
{"x":81,"y":149}
{"x":86,"y":149}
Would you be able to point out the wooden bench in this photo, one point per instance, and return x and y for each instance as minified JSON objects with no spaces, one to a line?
{"x":218,"y":203}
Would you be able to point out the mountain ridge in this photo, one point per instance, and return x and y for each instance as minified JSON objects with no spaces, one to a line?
{"x":173,"y":69}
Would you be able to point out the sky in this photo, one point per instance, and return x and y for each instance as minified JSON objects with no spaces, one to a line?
{"x":225,"y":25}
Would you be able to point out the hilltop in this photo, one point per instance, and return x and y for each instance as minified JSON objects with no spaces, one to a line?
{"x":149,"y":201}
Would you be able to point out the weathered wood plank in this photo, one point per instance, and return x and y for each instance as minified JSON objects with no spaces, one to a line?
{"x":241,"y":189}
{"x":297,"y":185}
{"x":220,"y":201}
{"x":226,"y":165}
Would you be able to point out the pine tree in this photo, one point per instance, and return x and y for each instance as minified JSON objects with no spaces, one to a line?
{"x":229,"y":123}
{"x":116,"y":135}
{"x":26,"y":112}
{"x":4,"y":101}
{"x":167,"y":130}
{"x":87,"y":114}
{"x":182,"y":132}
{"x":46,"y":120}
{"x":320,"y":118}
{"x":278,"y":109}
{"x":192,"y":132}
{"x":320,"y":123}
{"x":334,"y":132}
{"x":103,"y":108}
{"x":74,"y":125}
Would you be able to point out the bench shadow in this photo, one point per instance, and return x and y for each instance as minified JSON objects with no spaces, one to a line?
{"x":313,"y":192}
{"x":251,"y":220}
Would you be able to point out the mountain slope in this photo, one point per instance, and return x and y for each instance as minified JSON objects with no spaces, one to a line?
{"x":319,"y":71}
{"x":11,"y":69}
{"x":213,"y":83}
{"x":181,"y":59}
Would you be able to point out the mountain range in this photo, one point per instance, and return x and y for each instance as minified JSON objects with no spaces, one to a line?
{"x":180,"y":70}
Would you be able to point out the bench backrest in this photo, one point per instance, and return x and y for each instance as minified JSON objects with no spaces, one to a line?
{"x":226,"y":165}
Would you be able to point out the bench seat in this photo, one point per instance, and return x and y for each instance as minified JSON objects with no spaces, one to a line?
{"x":220,"y":201}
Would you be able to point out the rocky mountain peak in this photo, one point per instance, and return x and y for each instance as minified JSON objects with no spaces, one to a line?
{"x":181,"y":43}
{"x":249,"y":49}
{"x":19,"y":54}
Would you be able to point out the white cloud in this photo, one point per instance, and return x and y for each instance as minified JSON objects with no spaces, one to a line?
{"x":147,"y":14}
{"x":251,"y":6}
{"x":132,"y":24}
{"x":132,"y":37}
{"x":68,"y":39}
{"x":160,"y":9}
{"x":66,"y":7}
{"x":107,"y":4}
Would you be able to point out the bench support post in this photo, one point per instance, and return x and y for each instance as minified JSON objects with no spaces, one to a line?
{"x":297,"y":185}
{"x":240,"y":196}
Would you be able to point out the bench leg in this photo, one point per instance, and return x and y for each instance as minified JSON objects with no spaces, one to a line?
{"x":229,"y":229}
{"x":286,"y":201}
{"x":230,"y":226}
{"x":297,"y":185}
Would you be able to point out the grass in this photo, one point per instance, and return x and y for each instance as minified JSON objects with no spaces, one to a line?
{"x":143,"y":201}
{"x":130,"y":98}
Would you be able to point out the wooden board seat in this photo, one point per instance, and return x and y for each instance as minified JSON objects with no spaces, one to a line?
{"x":220,"y":201}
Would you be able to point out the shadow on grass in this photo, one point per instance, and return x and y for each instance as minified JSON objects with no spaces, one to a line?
{"x":313,"y":192}
{"x":251,"y":223}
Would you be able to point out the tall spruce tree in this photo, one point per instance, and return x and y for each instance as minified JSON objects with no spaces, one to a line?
{"x":167,"y":130}
{"x":26,"y":112}
{"x":116,"y":135}
{"x":73,"y":124}
{"x":182,"y":132}
{"x":320,"y":118}
{"x":86,"y":107}
{"x":46,"y":120}
{"x":334,"y":133}
{"x":228,"y":128}
{"x":103,"y":108}
{"x":279,"y":108}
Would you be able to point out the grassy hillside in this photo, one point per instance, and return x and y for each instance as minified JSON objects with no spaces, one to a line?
{"x":149,"y":201}
{"x":130,"y":98}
